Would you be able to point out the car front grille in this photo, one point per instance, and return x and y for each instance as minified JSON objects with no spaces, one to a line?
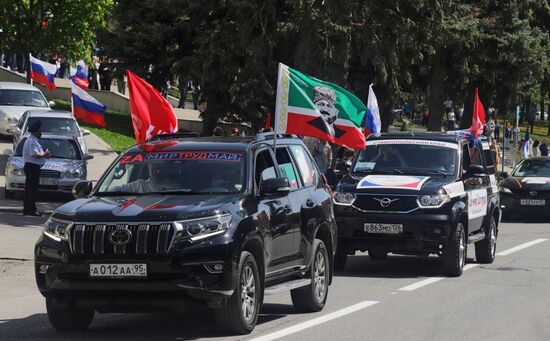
{"x":531,"y":194}
{"x":46,"y":173}
{"x":397,"y":203}
{"x":145,"y":239}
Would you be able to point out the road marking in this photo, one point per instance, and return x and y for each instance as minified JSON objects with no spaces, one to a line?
{"x":521,"y":247}
{"x":393,"y":293}
{"x":316,"y":321}
{"x":431,"y":280}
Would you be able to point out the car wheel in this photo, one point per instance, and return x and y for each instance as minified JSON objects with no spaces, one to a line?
{"x":63,"y":317}
{"x":241,"y":312}
{"x":313,"y":297}
{"x":486,"y":248}
{"x":9,"y":194}
{"x":340,"y":259}
{"x":377,"y":254}
{"x":454,"y":254}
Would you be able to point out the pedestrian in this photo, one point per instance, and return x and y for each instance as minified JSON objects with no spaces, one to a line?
{"x":218,"y":131}
{"x":543,"y":148}
{"x":460,"y":113}
{"x":535,"y":148}
{"x":105,"y":74}
{"x":448,"y":103}
{"x":507,"y":135}
{"x":490,"y":127}
{"x":450,"y":119}
{"x":34,"y":157}
{"x":119,"y":72}
{"x":495,"y":153}
{"x":183,"y":84}
{"x":311,"y":144}
{"x":407,"y":110}
{"x":323,"y":156}
{"x":531,"y":122}
{"x":497,"y":131}
{"x":235,"y":132}
{"x":93,"y":74}
{"x":425,"y":117}
{"x":195,"y":88}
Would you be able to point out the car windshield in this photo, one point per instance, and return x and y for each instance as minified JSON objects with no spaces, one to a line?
{"x":180,"y":172}
{"x":533,"y":168}
{"x":26,"y":98}
{"x":55,"y":125}
{"x":407,"y":157}
{"x":60,"y":148}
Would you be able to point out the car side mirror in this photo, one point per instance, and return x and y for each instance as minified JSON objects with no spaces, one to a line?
{"x":14,"y":130}
{"x":475,"y":171}
{"x":88,"y":156}
{"x":275,"y":187}
{"x":85,"y":132}
{"x":341,"y":168}
{"x":82,"y":189}
{"x":51,"y":104}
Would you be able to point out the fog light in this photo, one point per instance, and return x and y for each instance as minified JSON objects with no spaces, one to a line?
{"x":214,"y":268}
{"x":42,"y":269}
{"x":437,"y":230}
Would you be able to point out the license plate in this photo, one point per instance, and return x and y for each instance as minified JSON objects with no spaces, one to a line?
{"x":533,"y":202}
{"x":384,"y":228}
{"x":48,"y":182}
{"x":118,"y":270}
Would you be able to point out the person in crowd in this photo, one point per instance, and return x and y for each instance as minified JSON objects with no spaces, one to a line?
{"x":119,"y":71}
{"x":495,"y":152}
{"x":450,"y":119}
{"x":105,"y":74}
{"x":531,"y":122}
{"x":195,"y":89}
{"x":543,"y":148}
{"x":535,"y":148}
{"x":507,"y":135}
{"x":218,"y":131}
{"x":407,"y":110}
{"x":235,"y":132}
{"x":164,"y":88}
{"x":183,"y":84}
{"x":448,"y":103}
{"x":323,"y":156}
{"x":34,"y":157}
{"x":460,"y":112}
{"x":490,"y":127}
{"x":93,"y":75}
{"x":425,"y":117}
{"x":497,"y":130}
{"x":311,"y":144}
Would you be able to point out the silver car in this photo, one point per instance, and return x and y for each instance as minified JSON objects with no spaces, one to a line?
{"x":66,"y":167}
{"x":54,"y":122}
{"x":15,"y":99}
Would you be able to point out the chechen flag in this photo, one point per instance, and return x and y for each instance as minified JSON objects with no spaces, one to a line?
{"x":373,"y":125}
{"x":478,"y":117}
{"x":43,"y":73}
{"x":312,"y":107}
{"x":86,"y":107}
{"x":79,"y":76}
{"x":151,"y":113}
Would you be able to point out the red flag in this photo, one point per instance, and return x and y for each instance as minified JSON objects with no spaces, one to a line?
{"x":478,"y":117}
{"x":268,"y":121}
{"x":151,"y":113}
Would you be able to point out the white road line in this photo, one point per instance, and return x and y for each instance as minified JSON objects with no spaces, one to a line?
{"x":316,"y":321}
{"x":521,"y":247}
{"x":421,"y":284}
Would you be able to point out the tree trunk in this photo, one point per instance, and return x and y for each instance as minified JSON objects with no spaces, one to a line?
{"x":437,"y":93}
{"x":542,"y":105}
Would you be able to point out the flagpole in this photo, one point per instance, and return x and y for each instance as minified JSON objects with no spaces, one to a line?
{"x":277,"y":106}
{"x":72,"y":100}
{"x":29,"y":70}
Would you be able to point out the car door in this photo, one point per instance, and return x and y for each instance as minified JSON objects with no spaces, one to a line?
{"x":476,"y":187}
{"x":298,"y":198}
{"x":277,"y":234}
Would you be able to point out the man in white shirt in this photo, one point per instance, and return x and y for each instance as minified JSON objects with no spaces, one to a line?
{"x":34,"y":157}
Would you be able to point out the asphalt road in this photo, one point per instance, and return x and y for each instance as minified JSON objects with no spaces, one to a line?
{"x":400,"y":298}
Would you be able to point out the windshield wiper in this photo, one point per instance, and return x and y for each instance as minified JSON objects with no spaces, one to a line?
{"x":116,"y":193}
{"x":424,"y":171}
{"x":179,"y":192}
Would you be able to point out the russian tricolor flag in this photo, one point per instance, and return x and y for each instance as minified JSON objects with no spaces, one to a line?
{"x":86,"y":107}
{"x":373,"y":125}
{"x":43,"y":73}
{"x":79,"y":76}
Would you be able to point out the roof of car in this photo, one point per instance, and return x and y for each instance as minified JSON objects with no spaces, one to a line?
{"x":50,"y":113}
{"x":210,"y":143}
{"x":17,"y":86}
{"x":433,"y":136}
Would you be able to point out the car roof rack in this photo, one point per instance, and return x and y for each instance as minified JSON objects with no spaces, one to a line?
{"x":178,"y":135}
{"x":271,"y":135}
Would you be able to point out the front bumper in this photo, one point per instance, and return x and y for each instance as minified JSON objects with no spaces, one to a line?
{"x":182,"y":279}
{"x":16,"y":183}
{"x":422,"y":232}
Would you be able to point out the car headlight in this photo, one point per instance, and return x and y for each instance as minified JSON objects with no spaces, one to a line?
{"x":196,"y":230}
{"x":56,"y":229}
{"x":75,"y":173}
{"x":505,"y":190}
{"x":433,"y":201}
{"x":14,"y":170}
{"x":12,"y":119}
{"x":343,"y":198}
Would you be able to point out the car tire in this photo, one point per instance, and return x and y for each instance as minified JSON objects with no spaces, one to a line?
{"x":377,"y":254}
{"x":66,"y":318}
{"x":232,"y":317}
{"x":454,"y":253}
{"x":9,"y":194}
{"x":340,"y":259}
{"x":312,"y":298}
{"x":486,"y":248}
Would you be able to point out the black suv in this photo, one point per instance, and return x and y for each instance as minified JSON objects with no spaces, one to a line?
{"x":419,"y":194}
{"x":181,"y":224}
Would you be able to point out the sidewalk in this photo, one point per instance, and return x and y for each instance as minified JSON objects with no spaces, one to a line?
{"x":103,"y":157}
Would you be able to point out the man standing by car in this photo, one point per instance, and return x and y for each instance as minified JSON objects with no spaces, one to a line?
{"x":34,"y":157}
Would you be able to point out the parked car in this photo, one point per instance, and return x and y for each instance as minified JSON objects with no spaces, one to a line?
{"x":538,"y":115}
{"x":60,"y":173}
{"x":15,"y":99}
{"x":191,"y":223}
{"x":419,"y":194}
{"x":54,"y":122}
{"x":526,"y":191}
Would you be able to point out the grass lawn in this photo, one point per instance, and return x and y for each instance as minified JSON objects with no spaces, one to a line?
{"x":119,"y":132}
